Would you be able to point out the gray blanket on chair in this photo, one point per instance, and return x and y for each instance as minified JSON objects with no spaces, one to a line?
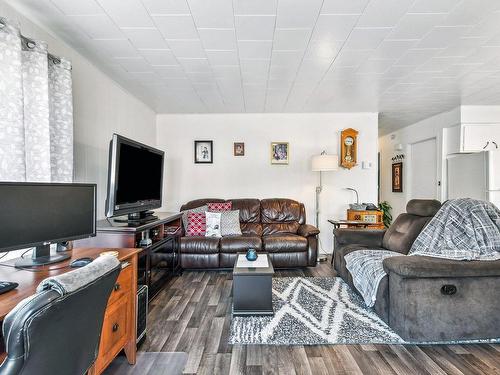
{"x":367,"y":271}
{"x":463,"y":229}
{"x":71,"y":281}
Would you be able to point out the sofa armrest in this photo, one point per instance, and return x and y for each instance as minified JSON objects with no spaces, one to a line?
{"x":307,"y":230}
{"x":427,"y":267}
{"x":360,"y":237}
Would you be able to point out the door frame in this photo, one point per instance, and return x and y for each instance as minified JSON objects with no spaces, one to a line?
{"x":407,"y":173}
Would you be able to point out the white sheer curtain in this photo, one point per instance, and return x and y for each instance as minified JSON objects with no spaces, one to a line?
{"x":36,"y":110}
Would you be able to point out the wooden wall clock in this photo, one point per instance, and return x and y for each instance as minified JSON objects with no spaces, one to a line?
{"x":348,"y":148}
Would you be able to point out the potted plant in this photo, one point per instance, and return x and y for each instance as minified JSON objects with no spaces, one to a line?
{"x":386,"y":208}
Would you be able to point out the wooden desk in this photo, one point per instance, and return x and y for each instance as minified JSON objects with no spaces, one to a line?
{"x":121,"y":303}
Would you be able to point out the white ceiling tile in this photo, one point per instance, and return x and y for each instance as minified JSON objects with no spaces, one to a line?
{"x":334,"y":27}
{"x":286,"y":58}
{"x":158,"y":56}
{"x":366,"y":38}
{"x":255,"y":6}
{"x":97,"y":26}
{"x":176,"y":26}
{"x":254,"y":49}
{"x":297,"y":13}
{"x":291,"y":39}
{"x":218,"y":39}
{"x":227,"y":71}
{"x":255,"y":27}
{"x":323,"y":49}
{"x":383,"y":13}
{"x":195,"y":65}
{"x":177,"y":82}
{"x":166,"y":6}
{"x":81,"y":7}
{"x":417,"y":56}
{"x":399,"y":58}
{"x":187,"y":48}
{"x":471,"y":12}
{"x":145,"y":38}
{"x":257,"y":66}
{"x":134,"y":64}
{"x":130,"y":13}
{"x":343,"y":6}
{"x":283,"y":73}
{"x":433,"y":6}
{"x":415,"y":26}
{"x":115,"y":48}
{"x":213,"y":13}
{"x":442,"y":36}
{"x":377,"y":66}
{"x":351,"y":57}
{"x":216,"y":57}
{"x":393,"y":49}
{"x":169,"y":71}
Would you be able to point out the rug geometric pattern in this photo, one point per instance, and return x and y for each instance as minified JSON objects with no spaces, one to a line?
{"x":311,"y":311}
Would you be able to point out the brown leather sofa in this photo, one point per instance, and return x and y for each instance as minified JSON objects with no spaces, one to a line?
{"x":276,"y":226}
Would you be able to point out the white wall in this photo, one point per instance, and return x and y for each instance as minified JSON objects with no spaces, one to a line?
{"x":101,"y":107}
{"x":432,"y":127}
{"x":252,"y":176}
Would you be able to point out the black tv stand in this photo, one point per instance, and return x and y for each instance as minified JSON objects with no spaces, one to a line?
{"x":137,"y":218}
{"x":41,"y":256}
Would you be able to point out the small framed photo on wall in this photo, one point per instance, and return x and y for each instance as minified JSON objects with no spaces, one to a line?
{"x":280,"y":153}
{"x":239,"y":149}
{"x":397,"y":177}
{"x":203,"y":152}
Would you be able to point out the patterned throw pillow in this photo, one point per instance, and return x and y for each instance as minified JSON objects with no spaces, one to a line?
{"x":196,"y":224}
{"x":186,"y":212}
{"x":220,"y":207}
{"x":230,"y":223}
{"x":213,"y":224}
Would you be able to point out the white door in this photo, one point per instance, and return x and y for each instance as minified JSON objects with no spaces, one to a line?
{"x":422,"y":171}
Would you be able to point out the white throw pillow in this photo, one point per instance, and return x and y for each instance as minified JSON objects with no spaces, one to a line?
{"x":230,"y":223}
{"x":213,"y":224}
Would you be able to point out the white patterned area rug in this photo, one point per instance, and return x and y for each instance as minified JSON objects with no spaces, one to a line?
{"x":313,"y":311}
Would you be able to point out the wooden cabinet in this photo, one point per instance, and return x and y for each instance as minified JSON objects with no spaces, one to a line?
{"x":480,"y":137}
{"x":119,"y":327}
{"x":374,"y":217}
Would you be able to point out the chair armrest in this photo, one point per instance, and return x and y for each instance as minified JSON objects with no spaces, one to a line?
{"x":307,"y":230}
{"x":420,"y":266}
{"x":361,"y":237}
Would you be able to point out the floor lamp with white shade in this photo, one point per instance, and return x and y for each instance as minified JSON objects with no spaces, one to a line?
{"x":322,"y":163}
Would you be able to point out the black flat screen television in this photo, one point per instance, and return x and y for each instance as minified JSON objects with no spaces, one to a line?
{"x":135,"y":179}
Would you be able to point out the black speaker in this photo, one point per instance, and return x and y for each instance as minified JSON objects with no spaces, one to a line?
{"x":142,"y":311}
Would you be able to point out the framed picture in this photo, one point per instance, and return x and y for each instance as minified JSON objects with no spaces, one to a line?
{"x":397,"y":177}
{"x":280,"y":152}
{"x":239,"y":149}
{"x":203,"y":152}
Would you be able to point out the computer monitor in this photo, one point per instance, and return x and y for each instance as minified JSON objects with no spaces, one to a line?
{"x":40,"y":214}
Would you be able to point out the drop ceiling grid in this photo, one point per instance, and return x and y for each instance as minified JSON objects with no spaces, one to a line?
{"x":407,"y":59}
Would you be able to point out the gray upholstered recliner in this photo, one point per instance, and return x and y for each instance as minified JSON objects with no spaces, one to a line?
{"x":58,"y":332}
{"x":423,"y":298}
{"x":398,"y":237}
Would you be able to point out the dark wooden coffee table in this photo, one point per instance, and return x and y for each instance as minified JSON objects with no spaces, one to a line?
{"x":252,"y":289}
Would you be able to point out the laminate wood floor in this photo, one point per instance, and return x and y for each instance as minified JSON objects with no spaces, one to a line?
{"x":193,"y":315}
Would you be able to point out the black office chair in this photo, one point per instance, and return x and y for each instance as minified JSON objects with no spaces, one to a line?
{"x":57,"y":330}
